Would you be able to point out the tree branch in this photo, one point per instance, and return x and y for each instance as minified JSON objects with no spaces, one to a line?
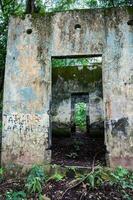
{"x":112,"y":2}
{"x":1,"y":5}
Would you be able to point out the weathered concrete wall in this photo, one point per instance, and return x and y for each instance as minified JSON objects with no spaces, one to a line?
{"x":118,"y":89}
{"x":25,"y":118}
{"x":67,"y":81}
{"x":27,"y":90}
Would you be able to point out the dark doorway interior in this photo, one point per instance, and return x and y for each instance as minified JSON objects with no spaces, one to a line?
{"x":77,"y":111}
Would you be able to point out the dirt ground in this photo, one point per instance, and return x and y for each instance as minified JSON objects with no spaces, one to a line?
{"x":55,"y":191}
{"x":58,"y":190}
{"x":79,"y":150}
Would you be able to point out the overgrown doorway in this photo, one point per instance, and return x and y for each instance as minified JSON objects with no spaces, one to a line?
{"x":77,"y":111}
{"x":80,"y":112}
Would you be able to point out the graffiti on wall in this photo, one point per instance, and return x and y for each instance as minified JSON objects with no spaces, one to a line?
{"x":25,"y":123}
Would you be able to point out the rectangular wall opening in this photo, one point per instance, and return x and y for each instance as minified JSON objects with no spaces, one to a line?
{"x":79,"y":112}
{"x":77,"y":120}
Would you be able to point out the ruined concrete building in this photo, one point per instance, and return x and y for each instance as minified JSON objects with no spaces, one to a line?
{"x":39,"y":98}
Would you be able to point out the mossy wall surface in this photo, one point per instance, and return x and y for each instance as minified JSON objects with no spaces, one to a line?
{"x":71,"y":80}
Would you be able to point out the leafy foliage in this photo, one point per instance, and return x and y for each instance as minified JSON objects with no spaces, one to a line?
{"x":114,"y":3}
{"x":80,"y":115}
{"x":34,"y":185}
{"x":62,"y":5}
{"x":97,"y":177}
{"x":100,"y":177}
{"x":91,"y":3}
{"x":11,"y":195}
{"x":1,"y":171}
{"x":35,"y":179}
{"x":8,"y":8}
{"x":119,"y":176}
{"x":1,"y":174}
{"x":123,"y":177}
{"x":57,"y":177}
{"x":41,"y":6}
{"x":76,"y":62}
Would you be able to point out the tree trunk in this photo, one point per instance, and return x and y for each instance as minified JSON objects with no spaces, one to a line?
{"x":30,"y":6}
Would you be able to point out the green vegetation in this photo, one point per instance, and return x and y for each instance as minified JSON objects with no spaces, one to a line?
{"x":80,"y":115}
{"x":120,"y":176}
{"x":56,"y":177}
{"x":32,"y":186}
{"x":77,"y":62}
{"x":37,"y":179}
{"x":15,"y":195}
{"x":62,"y":5}
{"x":1,"y":174}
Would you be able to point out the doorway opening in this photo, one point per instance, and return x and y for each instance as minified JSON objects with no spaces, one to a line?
{"x":79,"y":109}
{"x":77,"y":120}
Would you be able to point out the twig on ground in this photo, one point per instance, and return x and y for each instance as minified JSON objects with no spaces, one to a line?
{"x":81,"y":196}
{"x":83,"y":179}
